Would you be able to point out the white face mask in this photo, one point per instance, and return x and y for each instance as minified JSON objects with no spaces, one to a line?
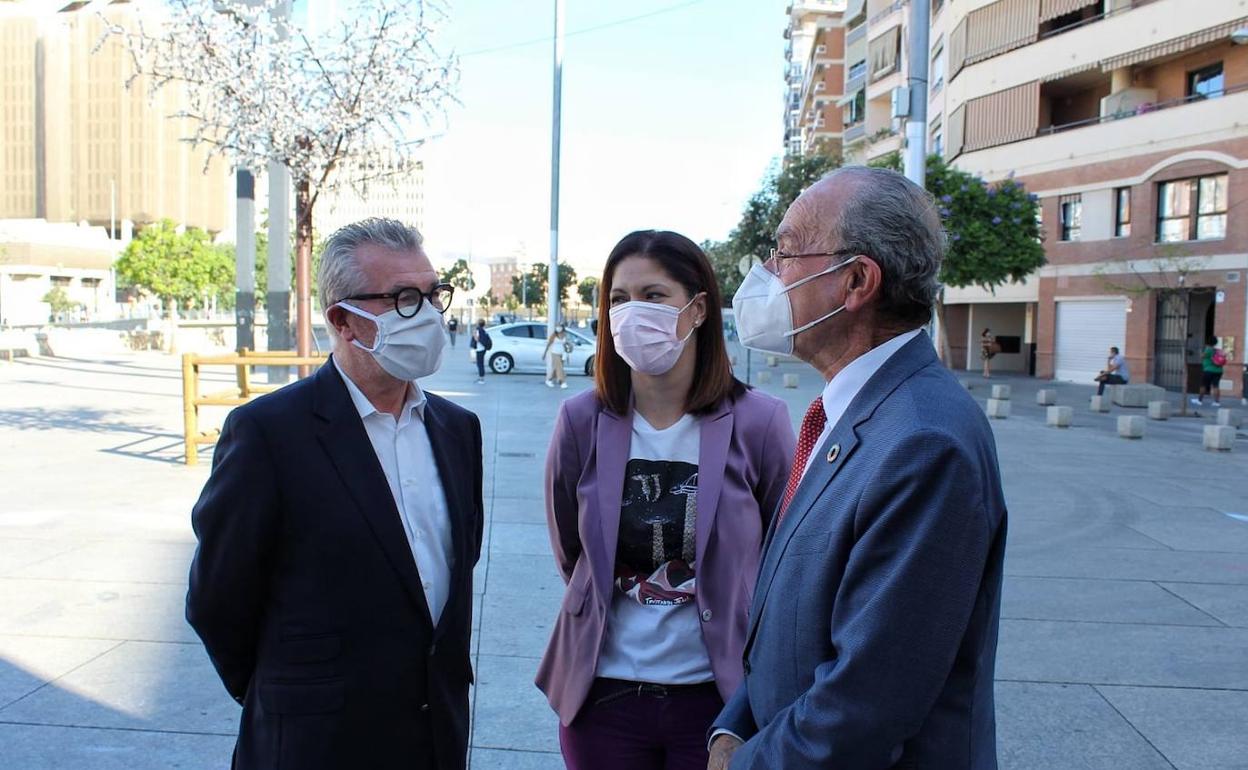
{"x":765,"y":315}
{"x":644,"y":334}
{"x":406,"y":348}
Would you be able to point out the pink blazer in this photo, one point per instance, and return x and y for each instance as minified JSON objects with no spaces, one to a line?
{"x":743,"y":466}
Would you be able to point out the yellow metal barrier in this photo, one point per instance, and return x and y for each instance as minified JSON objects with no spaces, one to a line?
{"x":245,"y":390}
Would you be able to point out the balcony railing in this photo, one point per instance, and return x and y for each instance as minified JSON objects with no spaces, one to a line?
{"x":1141,"y":110}
{"x":855,"y":34}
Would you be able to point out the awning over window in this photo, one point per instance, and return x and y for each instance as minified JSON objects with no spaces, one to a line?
{"x":883,"y":51}
{"x":1000,"y":27}
{"x":954,"y":132}
{"x":1051,"y":9}
{"x":1006,"y":116}
{"x":1173,"y":46}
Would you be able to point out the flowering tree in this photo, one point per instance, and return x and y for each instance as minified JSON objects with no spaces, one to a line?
{"x":336,"y":109}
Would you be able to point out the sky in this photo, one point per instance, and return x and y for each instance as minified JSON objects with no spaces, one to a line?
{"x":669,"y":122}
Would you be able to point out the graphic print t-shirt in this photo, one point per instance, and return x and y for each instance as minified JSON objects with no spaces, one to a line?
{"x":653,"y":630}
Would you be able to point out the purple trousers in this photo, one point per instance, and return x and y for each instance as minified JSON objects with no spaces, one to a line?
{"x":624,"y":726}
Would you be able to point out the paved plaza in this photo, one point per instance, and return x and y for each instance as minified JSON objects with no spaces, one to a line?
{"x":1124,"y":639}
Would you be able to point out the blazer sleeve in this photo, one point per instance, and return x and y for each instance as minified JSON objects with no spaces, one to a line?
{"x":899,"y":617}
{"x":478,"y":482}
{"x":563,"y":472}
{"x":775,"y":463}
{"x":236,"y":521}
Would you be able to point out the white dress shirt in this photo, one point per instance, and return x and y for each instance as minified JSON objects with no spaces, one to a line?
{"x":406,"y":457}
{"x":841,"y":391}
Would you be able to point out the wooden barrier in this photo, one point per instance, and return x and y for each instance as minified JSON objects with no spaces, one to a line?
{"x":243,"y":392}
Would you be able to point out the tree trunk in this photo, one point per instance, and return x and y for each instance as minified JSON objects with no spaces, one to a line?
{"x":303,"y":271}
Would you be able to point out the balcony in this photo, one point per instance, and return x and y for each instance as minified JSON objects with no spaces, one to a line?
{"x":1125,"y":104}
{"x":854,"y":35}
{"x":855,"y":132}
{"x":1153,"y":128}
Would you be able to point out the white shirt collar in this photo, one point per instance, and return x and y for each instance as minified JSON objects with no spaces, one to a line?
{"x":415,"y":397}
{"x":840,"y":392}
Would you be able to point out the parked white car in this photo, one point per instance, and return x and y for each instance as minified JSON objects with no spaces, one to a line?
{"x":518,"y":347}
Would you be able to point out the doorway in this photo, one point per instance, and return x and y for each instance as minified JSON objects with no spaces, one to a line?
{"x":1185,"y":319}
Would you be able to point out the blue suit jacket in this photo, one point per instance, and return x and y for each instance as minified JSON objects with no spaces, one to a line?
{"x":873,"y":630}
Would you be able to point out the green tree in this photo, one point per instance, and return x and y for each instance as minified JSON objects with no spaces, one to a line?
{"x":586,"y":289}
{"x":530,"y":287}
{"x":459,"y":275}
{"x":183,"y":267}
{"x":59,"y":302}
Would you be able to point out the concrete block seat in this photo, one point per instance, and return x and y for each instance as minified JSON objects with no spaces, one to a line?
{"x":1135,"y":395}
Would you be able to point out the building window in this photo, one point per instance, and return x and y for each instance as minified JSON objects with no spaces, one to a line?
{"x":856,"y":111}
{"x":61,"y":280}
{"x":1122,"y":212}
{"x":938,"y":140}
{"x":859,"y":69}
{"x":1205,"y":83}
{"x":1070,"y":215}
{"x":937,"y":75}
{"x":1192,"y":209}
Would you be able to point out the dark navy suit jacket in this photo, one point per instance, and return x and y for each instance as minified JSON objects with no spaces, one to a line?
{"x":873,"y":630}
{"x":307,"y":597}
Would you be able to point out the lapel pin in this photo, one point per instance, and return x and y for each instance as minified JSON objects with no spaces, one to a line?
{"x":834,"y":452}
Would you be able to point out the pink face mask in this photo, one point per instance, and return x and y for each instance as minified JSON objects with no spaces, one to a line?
{"x":645,"y":335}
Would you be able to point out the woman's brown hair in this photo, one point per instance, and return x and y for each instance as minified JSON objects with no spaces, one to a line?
{"x":687,"y":265}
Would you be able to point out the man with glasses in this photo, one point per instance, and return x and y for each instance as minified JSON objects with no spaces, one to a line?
{"x":873,"y":628}
{"x":332,"y":585}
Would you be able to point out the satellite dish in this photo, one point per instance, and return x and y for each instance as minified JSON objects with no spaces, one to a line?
{"x":746,"y":263}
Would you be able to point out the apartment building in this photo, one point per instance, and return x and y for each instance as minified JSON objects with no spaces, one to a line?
{"x":395,"y":192}
{"x":875,"y":35}
{"x":1127,"y":119}
{"x":814,"y":55}
{"x":75,"y":144}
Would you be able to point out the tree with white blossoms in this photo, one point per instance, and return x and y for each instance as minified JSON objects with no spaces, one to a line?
{"x":336,"y":109}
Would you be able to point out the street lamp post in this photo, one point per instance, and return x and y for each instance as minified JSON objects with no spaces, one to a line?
{"x":552,"y":283}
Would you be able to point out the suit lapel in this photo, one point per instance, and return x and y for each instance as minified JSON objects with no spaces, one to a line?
{"x":712,"y":457}
{"x":457,"y":507}
{"x":614,"y":442}
{"x":342,"y":435}
{"x":912,"y":357}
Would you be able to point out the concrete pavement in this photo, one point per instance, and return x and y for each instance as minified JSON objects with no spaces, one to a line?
{"x":1125,"y":616}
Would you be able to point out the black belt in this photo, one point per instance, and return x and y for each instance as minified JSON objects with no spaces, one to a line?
{"x":605,"y":690}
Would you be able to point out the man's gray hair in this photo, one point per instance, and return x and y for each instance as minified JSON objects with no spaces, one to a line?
{"x":339,"y":276}
{"x":894,"y":221}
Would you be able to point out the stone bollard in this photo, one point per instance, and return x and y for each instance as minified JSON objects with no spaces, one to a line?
{"x":998,"y":408}
{"x":773,"y":361}
{"x":1219,"y":438}
{"x":1046,"y":397}
{"x":1059,"y":416}
{"x":762,"y":378}
{"x":1100,"y":403}
{"x":1230,"y":417}
{"x":1131,"y":426}
{"x":1159,"y":410}
{"x":790,"y":380}
{"x":1001,"y":392}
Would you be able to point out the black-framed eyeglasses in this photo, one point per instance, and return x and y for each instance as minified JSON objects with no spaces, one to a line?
{"x":407,"y":301}
{"x":776,"y":256}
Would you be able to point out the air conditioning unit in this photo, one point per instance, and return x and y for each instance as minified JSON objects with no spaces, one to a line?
{"x":820,"y":86}
{"x":821,"y":49}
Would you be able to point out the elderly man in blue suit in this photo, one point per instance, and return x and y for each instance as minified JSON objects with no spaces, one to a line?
{"x":873,"y":630}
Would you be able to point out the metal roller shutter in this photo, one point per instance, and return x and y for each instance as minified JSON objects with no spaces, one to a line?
{"x":1085,"y":331}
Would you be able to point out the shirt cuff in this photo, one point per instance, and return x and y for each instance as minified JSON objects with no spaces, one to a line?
{"x":719,"y":732}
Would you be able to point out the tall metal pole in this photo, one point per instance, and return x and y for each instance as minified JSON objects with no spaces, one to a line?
{"x":245,"y":261}
{"x":916,"y":123}
{"x":278,"y":300}
{"x":552,"y":292}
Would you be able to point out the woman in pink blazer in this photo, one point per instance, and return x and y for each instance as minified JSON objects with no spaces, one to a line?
{"x":659,"y":486}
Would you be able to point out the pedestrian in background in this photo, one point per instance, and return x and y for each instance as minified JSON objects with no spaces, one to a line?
{"x":1114,"y":373}
{"x":481,"y":343}
{"x":558,"y":347}
{"x":452,"y":328}
{"x":873,"y":629}
{"x":1213,"y":361}
{"x":987,"y":349}
{"x":659,"y":485}
{"x":332,"y":582}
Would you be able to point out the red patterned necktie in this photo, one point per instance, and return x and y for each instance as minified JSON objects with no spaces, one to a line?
{"x":812,"y":427}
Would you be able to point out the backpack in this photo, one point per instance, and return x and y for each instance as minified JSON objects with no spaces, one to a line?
{"x":1218,"y":358}
{"x":484,"y":336}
